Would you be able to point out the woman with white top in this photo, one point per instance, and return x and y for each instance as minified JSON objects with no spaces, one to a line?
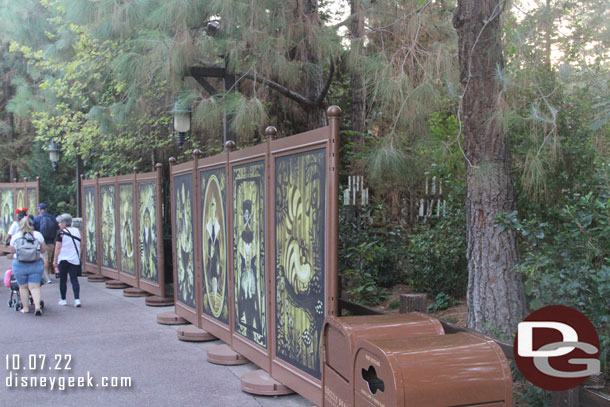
{"x":67,"y":258}
{"x":28,"y":273}
{"x":14,"y":228}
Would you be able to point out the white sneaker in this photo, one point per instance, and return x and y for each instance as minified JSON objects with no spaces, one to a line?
{"x":77,"y":303}
{"x":62,"y":302}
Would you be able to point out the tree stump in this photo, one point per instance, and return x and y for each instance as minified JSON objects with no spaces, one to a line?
{"x":412,"y":302}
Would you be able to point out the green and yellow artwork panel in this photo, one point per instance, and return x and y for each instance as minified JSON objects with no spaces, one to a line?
{"x":300,"y":182}
{"x":108,"y":229}
{"x":183,"y":216}
{"x":126,"y":225}
{"x":214,"y":244}
{"x":250,"y":285}
{"x":7,"y":211}
{"x":147,"y":205}
{"x":21,"y":201}
{"x":32,"y":203}
{"x":90,"y":225}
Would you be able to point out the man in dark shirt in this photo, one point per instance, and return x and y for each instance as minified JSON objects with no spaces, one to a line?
{"x":46,"y":224}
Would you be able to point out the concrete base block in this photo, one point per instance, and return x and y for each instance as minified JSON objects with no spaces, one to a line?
{"x":224,"y":355}
{"x":260,"y":383}
{"x":156,"y":301}
{"x":116,"y":284}
{"x":170,"y":318}
{"x":191,"y":333}
{"x":135,"y":292}
{"x":96,"y":278}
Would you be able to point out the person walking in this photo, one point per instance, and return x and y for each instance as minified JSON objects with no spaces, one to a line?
{"x":14,"y":228}
{"x":46,"y":224}
{"x":28,"y":265}
{"x":67,"y":258}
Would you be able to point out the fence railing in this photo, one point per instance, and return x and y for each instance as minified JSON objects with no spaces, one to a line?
{"x":255,"y":249}
{"x":123,"y":229}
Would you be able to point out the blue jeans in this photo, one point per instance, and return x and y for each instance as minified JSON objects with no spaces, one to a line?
{"x":66,"y":268}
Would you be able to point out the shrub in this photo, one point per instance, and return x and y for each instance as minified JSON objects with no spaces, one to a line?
{"x":369,"y":257}
{"x":437,"y":254}
{"x":566,"y":260}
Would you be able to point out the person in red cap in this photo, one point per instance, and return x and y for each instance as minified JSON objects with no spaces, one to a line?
{"x":46,"y":224}
{"x":14,"y":228}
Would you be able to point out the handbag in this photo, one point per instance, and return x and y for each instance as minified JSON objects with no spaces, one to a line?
{"x":79,"y":273}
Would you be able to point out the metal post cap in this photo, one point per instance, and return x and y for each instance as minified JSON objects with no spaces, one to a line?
{"x":230,"y":145}
{"x":334,"y":111}
{"x":271,"y":132}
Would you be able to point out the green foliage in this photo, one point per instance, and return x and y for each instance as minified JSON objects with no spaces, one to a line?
{"x":57,"y":188}
{"x":437,"y":251}
{"x":442,"y":301}
{"x":566,"y":258}
{"x":394,"y":305}
{"x":369,"y":257}
{"x":535,"y":397}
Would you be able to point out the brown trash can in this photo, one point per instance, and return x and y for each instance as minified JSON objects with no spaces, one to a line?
{"x":340,"y":335}
{"x":443,"y":371}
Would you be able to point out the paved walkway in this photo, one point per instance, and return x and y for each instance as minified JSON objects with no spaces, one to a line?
{"x":112,"y":336}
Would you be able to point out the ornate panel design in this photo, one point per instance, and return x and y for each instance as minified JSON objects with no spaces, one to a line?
{"x":7,"y":211}
{"x":214,"y":244}
{"x":183,"y":216}
{"x":126,"y":229}
{"x":300,"y":182}
{"x":32,"y":202}
{"x":249,"y":251}
{"x":108,"y":226}
{"x":90,"y":225}
{"x":21,"y":201}
{"x":147,"y":204}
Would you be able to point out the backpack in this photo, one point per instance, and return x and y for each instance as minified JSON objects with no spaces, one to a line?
{"x":47,"y":228}
{"x":27,"y":248}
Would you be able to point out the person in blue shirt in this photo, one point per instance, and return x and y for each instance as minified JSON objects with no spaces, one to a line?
{"x":46,"y":224}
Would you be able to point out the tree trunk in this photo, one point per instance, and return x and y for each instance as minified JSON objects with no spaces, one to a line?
{"x":495,"y":293}
{"x":358,"y":90}
{"x":11,"y":137}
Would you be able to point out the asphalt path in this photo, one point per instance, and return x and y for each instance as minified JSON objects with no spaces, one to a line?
{"x":111,"y":340}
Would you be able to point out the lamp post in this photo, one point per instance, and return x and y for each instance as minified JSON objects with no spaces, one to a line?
{"x":54,"y":157}
{"x":53,"y":154}
{"x":182,"y":121}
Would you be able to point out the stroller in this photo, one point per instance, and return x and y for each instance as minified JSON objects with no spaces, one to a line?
{"x":15,"y":300}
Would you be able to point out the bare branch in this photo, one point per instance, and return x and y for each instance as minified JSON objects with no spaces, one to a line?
{"x":324,"y":90}
{"x":290,"y":94}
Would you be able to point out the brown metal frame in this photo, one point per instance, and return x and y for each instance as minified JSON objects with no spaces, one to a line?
{"x":250,"y":350}
{"x":14,"y":186}
{"x":206,"y":322}
{"x":107,"y":271}
{"x":327,"y":138}
{"x":181,"y":309}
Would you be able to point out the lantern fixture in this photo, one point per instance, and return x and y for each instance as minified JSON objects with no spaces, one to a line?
{"x":182,"y":121}
{"x":53,"y":154}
